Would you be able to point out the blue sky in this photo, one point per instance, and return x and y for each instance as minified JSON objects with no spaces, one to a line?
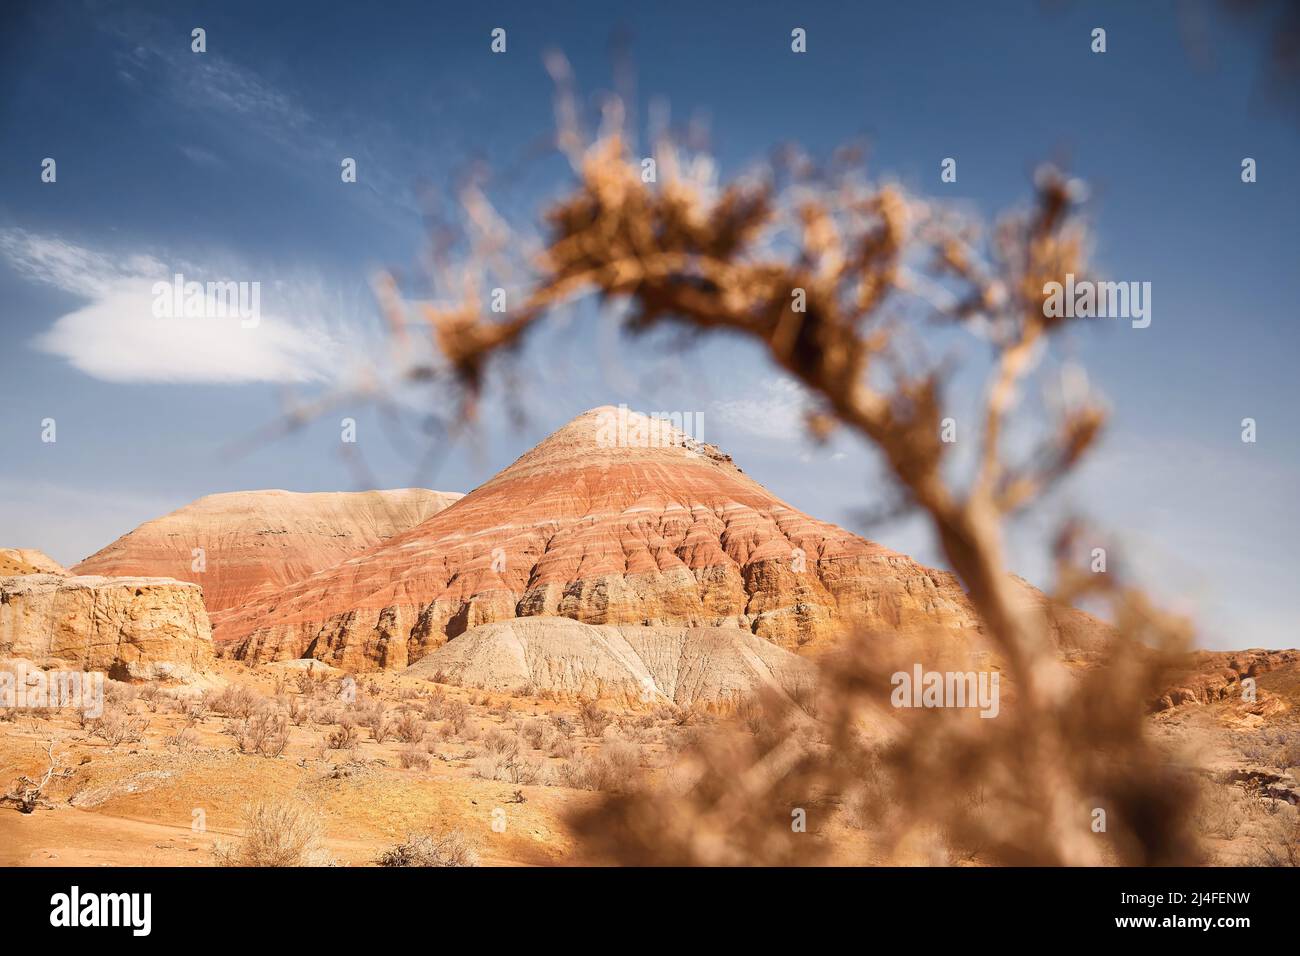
{"x":226,"y":165}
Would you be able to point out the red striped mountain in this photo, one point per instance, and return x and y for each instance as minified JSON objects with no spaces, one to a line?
{"x":603,"y":524}
{"x":246,"y":543}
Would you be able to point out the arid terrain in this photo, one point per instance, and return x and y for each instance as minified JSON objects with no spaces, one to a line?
{"x":412,"y":677}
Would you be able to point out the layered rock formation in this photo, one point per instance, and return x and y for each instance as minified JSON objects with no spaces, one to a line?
{"x":246,"y":543}
{"x":28,"y":561}
{"x":681,"y":665}
{"x":130,"y":628}
{"x":1211,"y":676}
{"x":605,"y":522}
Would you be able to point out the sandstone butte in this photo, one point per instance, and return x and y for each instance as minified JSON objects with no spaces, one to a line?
{"x":607,"y":525}
{"x":27,"y":561}
{"x":132,"y":628}
{"x":256,"y":541}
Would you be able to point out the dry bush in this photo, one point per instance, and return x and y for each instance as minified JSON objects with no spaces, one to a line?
{"x":409,"y":728}
{"x":345,"y":737}
{"x":615,"y":766}
{"x":265,"y":732}
{"x":538,"y":733}
{"x":116,"y":727}
{"x":326,"y":715}
{"x":234,"y":700}
{"x":692,"y":713}
{"x":412,"y":757}
{"x":1222,"y":809}
{"x":120,"y":694}
{"x":433,"y":703}
{"x":501,"y":742}
{"x":183,"y":741}
{"x":1281,"y":842}
{"x":594,"y":718}
{"x":298,"y":711}
{"x":430,"y":849}
{"x":508,"y":766}
{"x":152,"y":694}
{"x":456,"y":714}
{"x":28,"y":792}
{"x":283,"y":833}
{"x":195,"y":710}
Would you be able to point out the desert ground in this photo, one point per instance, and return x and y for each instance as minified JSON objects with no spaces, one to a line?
{"x":166,"y":777}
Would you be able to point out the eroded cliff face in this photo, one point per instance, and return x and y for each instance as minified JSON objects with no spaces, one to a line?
{"x":129,"y":628}
{"x":245,"y":543}
{"x":666,"y":532}
{"x":649,"y":665}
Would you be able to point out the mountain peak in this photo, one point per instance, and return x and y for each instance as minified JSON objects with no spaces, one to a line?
{"x":617,"y":517}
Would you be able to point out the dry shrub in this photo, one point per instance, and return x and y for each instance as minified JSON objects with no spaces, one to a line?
{"x":615,"y":766}
{"x":409,"y":728}
{"x":429,"y":849}
{"x":456,"y":714}
{"x":501,"y":743}
{"x":537,"y":733}
{"x":509,"y":767}
{"x":265,"y":732}
{"x":376,"y":720}
{"x":594,"y":718}
{"x":152,"y":694}
{"x":434,"y":702}
{"x":412,"y":757}
{"x":116,"y":727}
{"x":345,"y":737}
{"x":27,"y":792}
{"x":1281,"y":842}
{"x":277,"y":833}
{"x":120,"y":694}
{"x":234,"y":700}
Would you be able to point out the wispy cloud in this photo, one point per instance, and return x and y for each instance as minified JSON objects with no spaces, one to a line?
{"x":263,"y":114}
{"x":776,"y":411}
{"x":116,"y":337}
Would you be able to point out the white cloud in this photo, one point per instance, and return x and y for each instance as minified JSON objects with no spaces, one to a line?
{"x":776,"y":412}
{"x":116,"y":337}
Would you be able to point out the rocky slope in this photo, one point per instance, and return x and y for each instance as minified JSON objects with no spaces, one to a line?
{"x":682,"y":665}
{"x":604,"y":527}
{"x":257,"y":541}
{"x":131,"y":628}
{"x":1211,"y":676}
{"x":27,"y":561}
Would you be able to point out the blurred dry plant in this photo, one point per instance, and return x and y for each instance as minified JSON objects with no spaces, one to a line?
{"x":835,"y":275}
